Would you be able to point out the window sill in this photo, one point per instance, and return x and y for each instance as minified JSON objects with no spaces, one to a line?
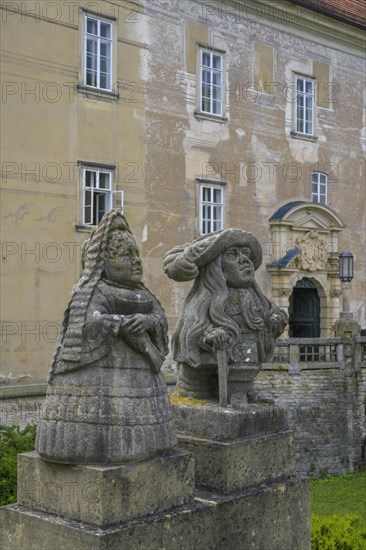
{"x":305,"y":137}
{"x":81,"y":228}
{"x":207,"y":116}
{"x":97,"y":92}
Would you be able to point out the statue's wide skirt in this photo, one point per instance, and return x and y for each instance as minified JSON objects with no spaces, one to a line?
{"x":114,"y":411}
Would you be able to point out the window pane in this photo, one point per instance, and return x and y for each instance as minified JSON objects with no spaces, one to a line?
{"x":322,"y":199}
{"x":314,"y":188}
{"x":216,"y":61}
{"x":300,"y":113}
{"x":91,"y":26}
{"x":323,"y":189}
{"x":206,"y":76}
{"x":309,"y":102}
{"x":216,"y":93}
{"x":216,"y":107}
{"x":105,"y":49}
{"x":300,"y":100}
{"x":216,"y":78}
{"x":90,"y":178}
{"x":323,"y":178}
{"x":104,"y":180}
{"x":206,"y":91}
{"x":299,"y":84}
{"x":104,"y":81}
{"x":91,"y":46}
{"x":217,"y":213}
{"x":87,"y":207}
{"x":91,"y":62}
{"x":206,"y":59}
{"x":217,"y":196}
{"x":206,"y":194}
{"x":216,"y":226}
{"x":99,"y":207}
{"x":205,"y":105}
{"x":309,"y":127}
{"x":105,"y":30}
{"x":308,"y":86}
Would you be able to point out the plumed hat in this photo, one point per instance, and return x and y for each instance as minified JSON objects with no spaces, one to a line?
{"x":183,"y":263}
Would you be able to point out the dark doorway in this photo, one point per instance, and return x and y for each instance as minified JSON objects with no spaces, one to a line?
{"x":304,"y":319}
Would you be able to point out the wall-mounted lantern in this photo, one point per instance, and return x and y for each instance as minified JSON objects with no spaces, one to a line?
{"x":346,"y":267}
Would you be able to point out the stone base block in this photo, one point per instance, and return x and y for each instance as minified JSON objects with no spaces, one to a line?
{"x":105,"y":495}
{"x":234,"y":449}
{"x":276,"y":517}
{"x":206,"y":419}
{"x":227,"y":467}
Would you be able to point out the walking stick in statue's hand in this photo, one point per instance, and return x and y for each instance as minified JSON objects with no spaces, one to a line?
{"x":222,"y":369}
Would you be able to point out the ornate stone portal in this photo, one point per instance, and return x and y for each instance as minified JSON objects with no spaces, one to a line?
{"x":304,"y":244}
{"x":227,"y":327}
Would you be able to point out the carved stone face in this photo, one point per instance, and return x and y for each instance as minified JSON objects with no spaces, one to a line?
{"x":237,"y":267}
{"x":122,"y":261}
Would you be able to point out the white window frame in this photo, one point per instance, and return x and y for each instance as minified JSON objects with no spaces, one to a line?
{"x":96,"y":192}
{"x":319,"y":195}
{"x":99,"y":40}
{"x":208,"y":222}
{"x":304,"y":98}
{"x":210,"y":73}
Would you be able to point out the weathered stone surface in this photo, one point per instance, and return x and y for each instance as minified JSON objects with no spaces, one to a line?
{"x":192,"y":417}
{"x":231,"y":447}
{"x":325,"y":407}
{"x":227,"y":327}
{"x":104,"y":495}
{"x":275,"y":517}
{"x":107,"y":401}
{"x":227,"y":467}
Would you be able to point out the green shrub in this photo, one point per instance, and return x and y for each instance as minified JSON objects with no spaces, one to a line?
{"x":337,"y":533}
{"x":13,"y":441}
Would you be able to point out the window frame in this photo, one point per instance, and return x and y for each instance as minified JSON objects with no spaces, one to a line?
{"x":110,"y":192}
{"x":304,"y":94}
{"x":99,"y":39}
{"x":212,"y":186}
{"x":318,"y":194}
{"x":212,"y":70}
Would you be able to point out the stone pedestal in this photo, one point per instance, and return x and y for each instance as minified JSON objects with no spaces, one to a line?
{"x":235,"y":449}
{"x":272,"y":517}
{"x":105,"y":495}
{"x":246,"y":495}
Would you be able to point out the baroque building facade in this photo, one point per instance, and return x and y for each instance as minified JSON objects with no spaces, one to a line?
{"x":193,"y":117}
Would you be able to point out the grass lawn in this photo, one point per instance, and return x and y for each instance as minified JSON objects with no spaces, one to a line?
{"x":341,"y":495}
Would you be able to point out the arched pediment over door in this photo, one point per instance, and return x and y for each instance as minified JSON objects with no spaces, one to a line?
{"x":304,"y":243}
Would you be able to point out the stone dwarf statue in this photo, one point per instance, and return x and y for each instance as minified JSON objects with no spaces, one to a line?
{"x":107,"y":400}
{"x":226,"y":313}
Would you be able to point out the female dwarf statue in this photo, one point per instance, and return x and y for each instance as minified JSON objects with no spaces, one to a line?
{"x":107,"y":400}
{"x":224,"y":313}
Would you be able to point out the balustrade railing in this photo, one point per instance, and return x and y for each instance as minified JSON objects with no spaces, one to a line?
{"x":308,"y":350}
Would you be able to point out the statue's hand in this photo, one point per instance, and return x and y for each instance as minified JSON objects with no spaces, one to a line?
{"x":217,"y":338}
{"x":135,"y":325}
{"x":278,"y":322}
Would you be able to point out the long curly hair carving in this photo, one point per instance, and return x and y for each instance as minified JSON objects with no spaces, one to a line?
{"x":205,"y":304}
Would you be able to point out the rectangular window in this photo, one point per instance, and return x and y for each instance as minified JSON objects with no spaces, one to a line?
{"x":211,"y":209}
{"x":97,"y":194}
{"x":319,"y":184}
{"x":98,"y":53}
{"x":304,"y":106}
{"x":211,"y":82}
